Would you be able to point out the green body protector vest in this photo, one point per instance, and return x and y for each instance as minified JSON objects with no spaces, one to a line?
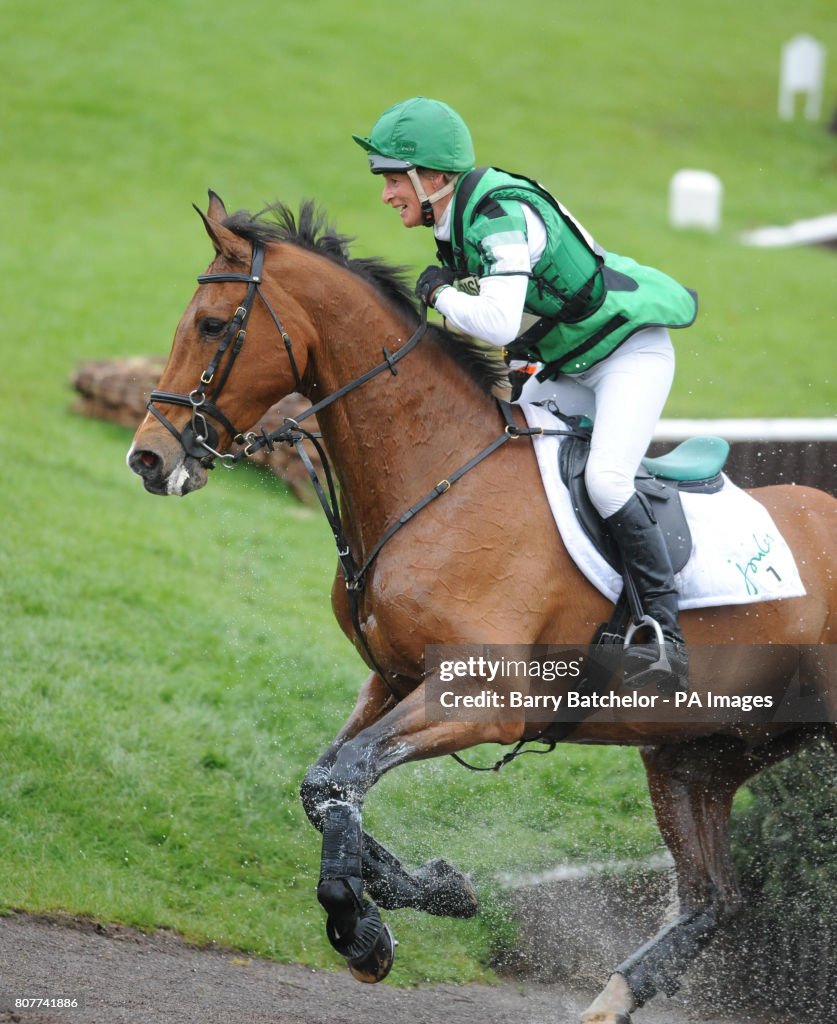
{"x":581,"y":302}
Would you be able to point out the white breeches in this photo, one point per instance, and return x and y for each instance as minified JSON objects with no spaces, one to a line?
{"x":624,"y":395}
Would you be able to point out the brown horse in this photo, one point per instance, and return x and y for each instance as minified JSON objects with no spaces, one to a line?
{"x":401,"y":409}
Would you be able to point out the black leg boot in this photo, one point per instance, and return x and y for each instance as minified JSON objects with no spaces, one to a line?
{"x":642,"y":546}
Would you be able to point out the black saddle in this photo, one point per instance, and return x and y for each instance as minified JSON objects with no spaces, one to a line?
{"x":694,"y":466}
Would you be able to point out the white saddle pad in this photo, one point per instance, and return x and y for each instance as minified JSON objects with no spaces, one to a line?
{"x":738,"y":555}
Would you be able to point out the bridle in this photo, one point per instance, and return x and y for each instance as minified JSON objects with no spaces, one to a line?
{"x":199,"y":438}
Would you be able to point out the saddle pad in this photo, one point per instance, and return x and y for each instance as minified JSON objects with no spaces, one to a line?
{"x":738,"y":554}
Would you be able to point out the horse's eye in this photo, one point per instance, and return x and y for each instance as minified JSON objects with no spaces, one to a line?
{"x":211,"y":327}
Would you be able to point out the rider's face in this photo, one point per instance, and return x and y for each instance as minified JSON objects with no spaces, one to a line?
{"x":401,"y":196}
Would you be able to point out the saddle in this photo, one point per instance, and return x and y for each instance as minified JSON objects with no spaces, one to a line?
{"x":694,"y":466}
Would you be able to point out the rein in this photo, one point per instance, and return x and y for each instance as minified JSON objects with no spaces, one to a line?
{"x":200,"y":439}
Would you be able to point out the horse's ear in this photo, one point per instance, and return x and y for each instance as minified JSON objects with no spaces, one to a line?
{"x":217,"y":210}
{"x":225,"y":242}
{"x":211,"y":229}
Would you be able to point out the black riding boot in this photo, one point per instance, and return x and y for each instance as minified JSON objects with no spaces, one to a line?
{"x":642,"y":546}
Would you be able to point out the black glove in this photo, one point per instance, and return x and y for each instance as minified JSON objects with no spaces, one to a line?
{"x":431,"y":279}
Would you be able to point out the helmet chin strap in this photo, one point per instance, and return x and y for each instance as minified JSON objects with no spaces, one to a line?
{"x":428,"y":218}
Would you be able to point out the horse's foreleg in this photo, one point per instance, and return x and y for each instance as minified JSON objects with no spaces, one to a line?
{"x":374,"y":700}
{"x":354,"y":926}
{"x":692,"y":787}
{"x":435,"y":887}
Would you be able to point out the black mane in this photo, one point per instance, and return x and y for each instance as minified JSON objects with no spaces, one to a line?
{"x":312,"y":231}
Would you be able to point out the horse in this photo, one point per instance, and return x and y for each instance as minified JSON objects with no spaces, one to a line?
{"x":429,"y":554}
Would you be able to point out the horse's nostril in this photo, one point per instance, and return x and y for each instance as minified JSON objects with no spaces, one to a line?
{"x":144,"y":462}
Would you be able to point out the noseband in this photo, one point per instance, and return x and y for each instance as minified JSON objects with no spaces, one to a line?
{"x":199,"y":438}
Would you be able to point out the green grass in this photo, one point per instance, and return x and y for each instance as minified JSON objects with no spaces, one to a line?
{"x":168,"y":669}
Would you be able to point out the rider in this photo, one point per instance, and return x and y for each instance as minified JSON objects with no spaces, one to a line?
{"x":519,"y":272}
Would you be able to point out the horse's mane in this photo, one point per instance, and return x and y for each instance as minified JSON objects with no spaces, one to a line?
{"x":312,"y":231}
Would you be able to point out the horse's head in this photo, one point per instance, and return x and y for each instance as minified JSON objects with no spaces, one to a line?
{"x":214,"y":387}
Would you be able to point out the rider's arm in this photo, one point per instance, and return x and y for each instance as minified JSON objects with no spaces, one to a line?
{"x":495,"y":314}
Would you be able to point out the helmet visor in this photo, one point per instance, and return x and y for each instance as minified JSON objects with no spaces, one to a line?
{"x":388,"y":165}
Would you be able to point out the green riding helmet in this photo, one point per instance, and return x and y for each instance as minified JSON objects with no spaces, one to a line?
{"x":419,"y":132}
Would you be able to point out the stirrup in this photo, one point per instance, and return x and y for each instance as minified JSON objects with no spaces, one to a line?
{"x":658,"y":667}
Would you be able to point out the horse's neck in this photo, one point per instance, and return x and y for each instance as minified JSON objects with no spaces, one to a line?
{"x":394,"y":438}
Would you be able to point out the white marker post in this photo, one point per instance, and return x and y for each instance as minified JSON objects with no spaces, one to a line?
{"x":695,"y":200}
{"x":802,"y":70}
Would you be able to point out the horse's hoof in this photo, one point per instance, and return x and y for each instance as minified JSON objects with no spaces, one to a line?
{"x":445,"y":891}
{"x":369,"y":949}
{"x":607,"y":1018}
{"x":377,"y":963}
